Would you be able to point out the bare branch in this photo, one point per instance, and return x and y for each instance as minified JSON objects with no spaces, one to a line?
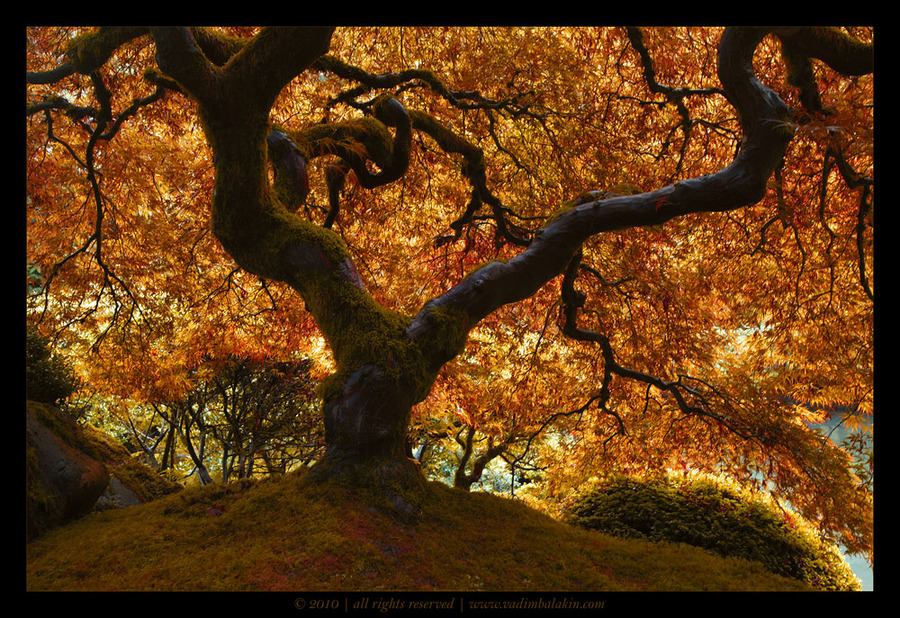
{"x":461,"y":99}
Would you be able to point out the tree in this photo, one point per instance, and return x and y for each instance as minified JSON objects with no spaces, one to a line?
{"x":686,"y":248}
{"x":48,"y":377}
{"x":242,"y":416}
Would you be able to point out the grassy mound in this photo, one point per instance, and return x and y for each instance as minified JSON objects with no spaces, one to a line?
{"x":290,"y":535}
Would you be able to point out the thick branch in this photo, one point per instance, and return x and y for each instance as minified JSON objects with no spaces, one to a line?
{"x":379,"y":372}
{"x":252,"y":77}
{"x":253,"y":226}
{"x":276,"y":56}
{"x":88,"y":52}
{"x":832,"y":46}
{"x":835,"y":48}
{"x":767,"y":131}
{"x":179,"y":56}
{"x":395,"y":162}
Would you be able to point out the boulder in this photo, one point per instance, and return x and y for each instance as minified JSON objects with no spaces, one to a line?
{"x":62,"y":482}
{"x":73,"y":469}
{"x":116,"y":496}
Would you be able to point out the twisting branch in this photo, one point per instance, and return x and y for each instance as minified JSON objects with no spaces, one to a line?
{"x":474,"y":170}
{"x":767,"y":129}
{"x":103,"y":117}
{"x":355,"y":142}
{"x":865,"y":206}
{"x":462,"y":99}
{"x":848,"y":56}
{"x":856,"y":181}
{"x":473,"y":167}
{"x":463,"y":479}
{"x":579,"y":411}
{"x":830,"y":45}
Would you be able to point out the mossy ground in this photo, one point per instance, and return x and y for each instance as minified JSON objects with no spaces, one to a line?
{"x":291,"y":535}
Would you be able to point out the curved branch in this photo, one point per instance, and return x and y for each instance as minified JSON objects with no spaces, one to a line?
{"x":675,"y":96}
{"x":474,"y":170}
{"x":356,"y":142}
{"x":830,"y":45}
{"x":392,"y":113}
{"x":573,"y":301}
{"x":88,"y":52}
{"x":767,"y":129}
{"x":465,"y":480}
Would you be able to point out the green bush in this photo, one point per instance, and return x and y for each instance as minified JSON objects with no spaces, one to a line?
{"x":48,"y":377}
{"x":715,"y":518}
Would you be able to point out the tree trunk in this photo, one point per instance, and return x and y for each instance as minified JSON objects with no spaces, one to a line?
{"x":366,"y":421}
{"x":464,"y":480}
{"x":196,"y":457}
{"x":387,"y":362}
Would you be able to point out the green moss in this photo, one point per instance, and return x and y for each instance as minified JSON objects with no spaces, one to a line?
{"x":715,"y":518}
{"x":622,"y":188}
{"x":361,"y":332}
{"x":452,"y":330}
{"x":146,"y":483}
{"x":626,"y":188}
{"x":63,"y":426}
{"x":364,"y":138}
{"x":290,"y":534}
{"x":41,"y":509}
{"x":559,"y":212}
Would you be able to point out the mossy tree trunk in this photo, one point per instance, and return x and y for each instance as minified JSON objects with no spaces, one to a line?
{"x":382,"y":369}
{"x":387,"y":362}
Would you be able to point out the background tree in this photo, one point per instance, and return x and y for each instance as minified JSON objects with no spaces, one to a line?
{"x":49,"y":378}
{"x":241,"y":417}
{"x":689,"y":247}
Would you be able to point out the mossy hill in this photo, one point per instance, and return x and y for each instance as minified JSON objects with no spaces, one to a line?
{"x":288,"y":534}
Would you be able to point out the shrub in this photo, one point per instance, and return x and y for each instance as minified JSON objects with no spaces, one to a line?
{"x":718,"y":519}
{"x":48,"y":377}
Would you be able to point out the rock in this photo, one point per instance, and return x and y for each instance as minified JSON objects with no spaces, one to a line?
{"x":116,"y":496}
{"x":62,"y":482}
{"x":72,"y":470}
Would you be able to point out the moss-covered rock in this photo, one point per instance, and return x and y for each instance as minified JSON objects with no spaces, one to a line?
{"x":69,"y":467}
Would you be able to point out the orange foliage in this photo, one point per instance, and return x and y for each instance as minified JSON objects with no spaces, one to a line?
{"x":765,"y":312}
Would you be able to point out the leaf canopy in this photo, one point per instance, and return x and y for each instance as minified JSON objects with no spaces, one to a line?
{"x":719,"y":339}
